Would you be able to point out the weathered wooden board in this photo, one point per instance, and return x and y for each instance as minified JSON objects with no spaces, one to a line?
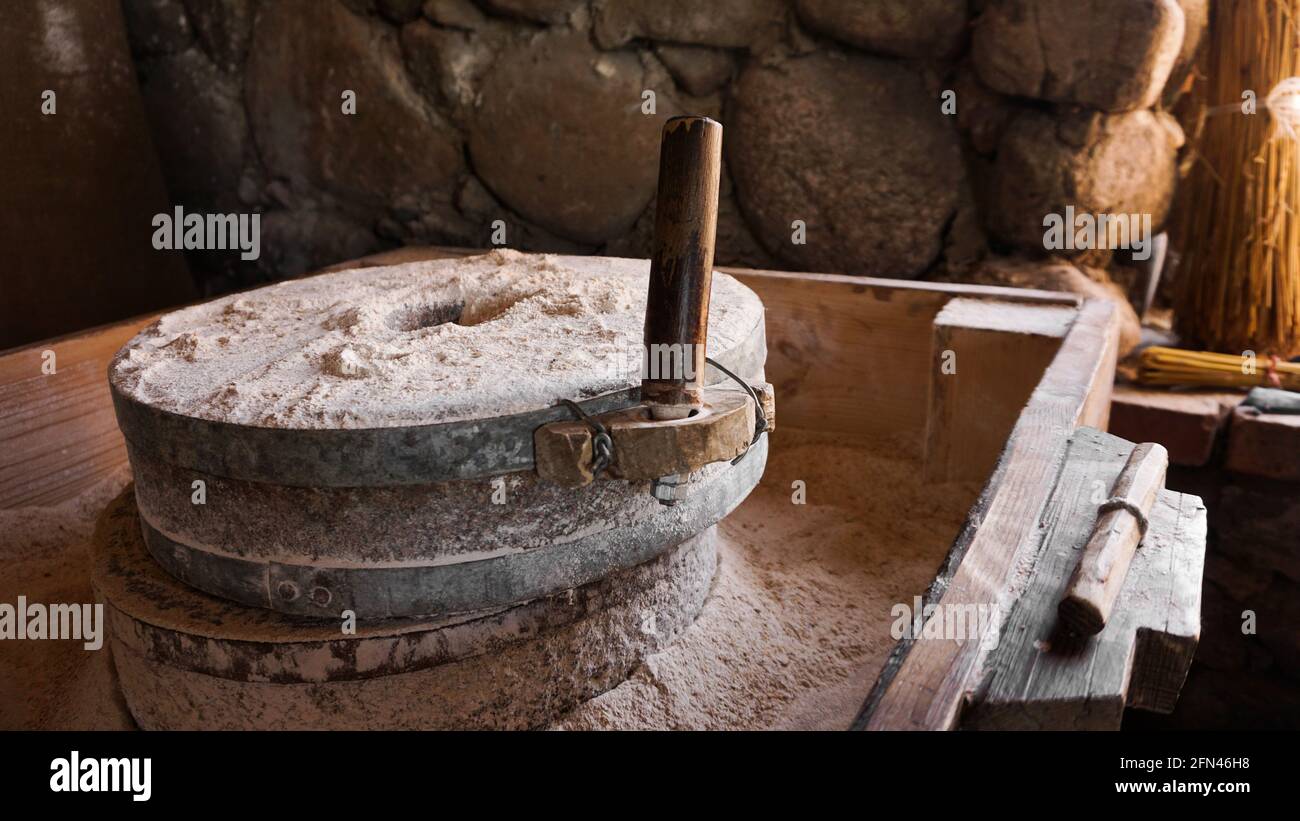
{"x":925,"y":683}
{"x":57,"y":430}
{"x":852,"y":354}
{"x":986,"y":357}
{"x":1040,"y":676}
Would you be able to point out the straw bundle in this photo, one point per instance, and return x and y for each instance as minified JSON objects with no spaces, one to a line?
{"x":1238,"y":226}
{"x":1172,"y":366}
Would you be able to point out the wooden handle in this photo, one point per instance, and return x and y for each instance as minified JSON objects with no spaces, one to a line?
{"x":1100,"y":575}
{"x":681,"y":270}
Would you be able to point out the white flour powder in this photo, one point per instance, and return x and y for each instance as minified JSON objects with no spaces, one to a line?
{"x":417,"y":343}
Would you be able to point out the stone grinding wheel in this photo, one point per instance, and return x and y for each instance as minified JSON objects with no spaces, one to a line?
{"x":186,"y":660}
{"x":347,"y":429}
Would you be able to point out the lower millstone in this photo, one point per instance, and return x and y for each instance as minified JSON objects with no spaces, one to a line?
{"x":416,"y":550}
{"x":187,"y":660}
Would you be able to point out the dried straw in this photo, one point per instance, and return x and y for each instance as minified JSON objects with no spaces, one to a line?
{"x":1174,"y":366}
{"x":1237,"y":228}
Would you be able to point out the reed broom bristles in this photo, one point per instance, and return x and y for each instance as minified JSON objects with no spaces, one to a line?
{"x":1174,"y":366}
{"x":1236,"y":228}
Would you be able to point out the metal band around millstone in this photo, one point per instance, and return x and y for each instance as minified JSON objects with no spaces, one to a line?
{"x":409,"y":590}
{"x":375,"y":457}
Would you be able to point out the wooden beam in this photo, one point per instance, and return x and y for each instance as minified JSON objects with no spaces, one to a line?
{"x":852,"y":354}
{"x":1043,"y":678}
{"x":925,"y":683}
{"x":58,"y":429}
{"x":985,"y":359}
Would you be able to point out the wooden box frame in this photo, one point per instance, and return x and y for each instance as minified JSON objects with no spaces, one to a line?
{"x":847,"y":354}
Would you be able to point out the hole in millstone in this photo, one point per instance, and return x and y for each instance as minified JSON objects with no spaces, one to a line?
{"x":417,"y":317}
{"x":413,"y":318}
{"x":488,"y":308}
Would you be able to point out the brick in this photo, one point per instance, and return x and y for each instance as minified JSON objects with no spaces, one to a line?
{"x":1264,"y":444}
{"x":1187,"y":423}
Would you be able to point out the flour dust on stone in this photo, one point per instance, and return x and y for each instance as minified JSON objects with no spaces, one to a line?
{"x":416,"y":343}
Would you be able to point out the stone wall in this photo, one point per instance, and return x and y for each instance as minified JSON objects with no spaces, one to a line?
{"x":911,"y":137}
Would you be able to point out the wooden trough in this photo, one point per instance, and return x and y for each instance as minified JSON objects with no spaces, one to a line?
{"x":1008,"y":388}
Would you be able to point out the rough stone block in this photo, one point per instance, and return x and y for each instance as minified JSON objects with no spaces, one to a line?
{"x":1264,"y":444}
{"x":1112,"y":55}
{"x":1187,"y":423}
{"x":853,"y":148}
{"x":726,"y":23}
{"x":903,"y":28}
{"x":1118,"y":164}
{"x":560,"y":137}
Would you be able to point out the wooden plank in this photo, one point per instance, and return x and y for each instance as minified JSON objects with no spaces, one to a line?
{"x":1187,"y":422}
{"x":925,"y":683}
{"x":852,"y":354}
{"x":59,"y":432}
{"x":1095,"y":412}
{"x":1164,"y":651}
{"x":1041,"y":677}
{"x":986,"y":357}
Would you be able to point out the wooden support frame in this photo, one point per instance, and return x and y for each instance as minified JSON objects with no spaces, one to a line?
{"x":925,"y":684}
{"x":987,"y":356}
{"x":1040,"y":676}
{"x":845,"y":354}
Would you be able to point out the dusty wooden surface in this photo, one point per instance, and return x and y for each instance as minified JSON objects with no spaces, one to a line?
{"x":986,"y":359}
{"x":852,"y":354}
{"x":58,"y":434}
{"x":1188,"y":422}
{"x":1096,"y":582}
{"x":1040,"y":677}
{"x":926,"y":683}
